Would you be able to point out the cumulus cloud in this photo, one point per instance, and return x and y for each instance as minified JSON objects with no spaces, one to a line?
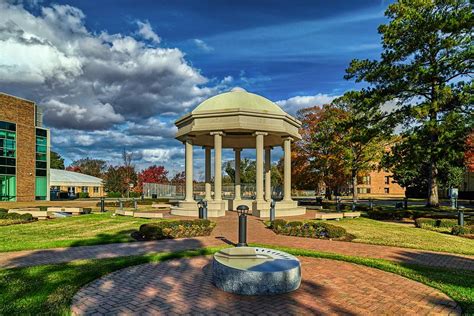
{"x":202,"y":45}
{"x":146,"y":31}
{"x":161,"y":155}
{"x":292,"y":105}
{"x":92,"y":81}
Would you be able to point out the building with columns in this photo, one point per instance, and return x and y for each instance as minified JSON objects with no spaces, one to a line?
{"x":238,"y":120}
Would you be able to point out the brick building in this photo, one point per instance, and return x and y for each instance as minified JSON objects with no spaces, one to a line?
{"x":379,"y":183}
{"x":24,"y":151}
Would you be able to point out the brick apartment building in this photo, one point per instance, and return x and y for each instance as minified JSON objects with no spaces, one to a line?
{"x":24,"y":151}
{"x":379,"y":183}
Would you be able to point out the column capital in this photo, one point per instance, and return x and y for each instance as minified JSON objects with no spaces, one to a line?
{"x":260,"y":133}
{"x":221,"y":133}
{"x":268,"y":147}
{"x":287,"y":138}
{"x":206,"y":147}
{"x":188,"y":139}
{"x":237,"y":149}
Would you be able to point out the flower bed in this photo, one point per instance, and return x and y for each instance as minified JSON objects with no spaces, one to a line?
{"x":176,"y":229}
{"x":310,"y":229}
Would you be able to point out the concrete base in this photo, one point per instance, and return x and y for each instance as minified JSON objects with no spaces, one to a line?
{"x":255,"y":271}
{"x":232,"y":204}
{"x":190,"y":208}
{"x":282,"y":209}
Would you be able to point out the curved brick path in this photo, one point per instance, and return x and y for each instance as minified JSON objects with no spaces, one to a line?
{"x":226,"y":232}
{"x":328,"y":287}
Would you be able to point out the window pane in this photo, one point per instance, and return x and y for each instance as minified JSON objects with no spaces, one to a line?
{"x":41,"y":157}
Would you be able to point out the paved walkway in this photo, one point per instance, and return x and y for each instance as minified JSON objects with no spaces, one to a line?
{"x":226,"y":232}
{"x":328,"y":287}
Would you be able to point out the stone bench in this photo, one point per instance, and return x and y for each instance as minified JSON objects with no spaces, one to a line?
{"x":34,"y":211}
{"x":124,"y":213}
{"x":162,"y":206}
{"x":147,"y":215}
{"x":351,"y":214}
{"x":71,"y":210}
{"x":324,"y":216}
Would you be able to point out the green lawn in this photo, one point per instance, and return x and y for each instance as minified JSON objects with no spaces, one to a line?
{"x":405,"y":235}
{"x":81,"y":230}
{"x":48,"y":289}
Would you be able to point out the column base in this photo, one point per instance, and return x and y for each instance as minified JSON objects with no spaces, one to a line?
{"x":282,"y":209}
{"x":190,"y":208}
{"x":236,"y":202}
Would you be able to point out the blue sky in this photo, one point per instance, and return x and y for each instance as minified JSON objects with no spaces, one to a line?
{"x":116,"y":74}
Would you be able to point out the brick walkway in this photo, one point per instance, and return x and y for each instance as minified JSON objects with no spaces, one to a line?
{"x":328,"y":287}
{"x":226,"y":232}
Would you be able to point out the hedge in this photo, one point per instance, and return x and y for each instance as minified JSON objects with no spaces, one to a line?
{"x":379,"y":213}
{"x":176,"y":229}
{"x":83,"y":195}
{"x":14,"y":218}
{"x":308,"y":229}
{"x":462,"y":230}
{"x":428,"y":223}
{"x":130,"y":203}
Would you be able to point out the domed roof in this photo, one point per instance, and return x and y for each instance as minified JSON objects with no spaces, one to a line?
{"x":238,"y":99}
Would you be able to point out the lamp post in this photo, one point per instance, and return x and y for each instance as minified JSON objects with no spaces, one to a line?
{"x":102,"y":204}
{"x":202,"y":204}
{"x":242,"y":210}
{"x":272,"y":210}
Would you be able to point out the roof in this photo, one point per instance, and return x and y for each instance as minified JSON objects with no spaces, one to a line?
{"x":63,"y":177}
{"x":238,"y":99}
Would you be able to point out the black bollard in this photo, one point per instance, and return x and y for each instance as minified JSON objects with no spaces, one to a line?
{"x":121,"y":205}
{"x":371,"y":204}
{"x":405,"y":203}
{"x":242,"y":210}
{"x":204,"y":209}
{"x":102,"y":204}
{"x":338,"y":203}
{"x":200,"y":209}
{"x":272,"y":210}
{"x":460,"y":217}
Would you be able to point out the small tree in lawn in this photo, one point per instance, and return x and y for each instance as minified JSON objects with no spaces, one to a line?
{"x":425,"y":68}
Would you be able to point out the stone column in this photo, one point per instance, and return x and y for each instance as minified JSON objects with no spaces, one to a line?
{"x":217,"y":165}
{"x":268,"y":174}
{"x":189,"y":170}
{"x":287,"y":169}
{"x":238,"y":194}
{"x":259,"y":157}
{"x":207,"y":172}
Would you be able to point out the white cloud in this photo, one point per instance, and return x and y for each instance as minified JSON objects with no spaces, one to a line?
{"x":160,"y":155}
{"x":202,"y":45}
{"x":146,"y":31}
{"x":92,"y":81}
{"x":292,"y":105}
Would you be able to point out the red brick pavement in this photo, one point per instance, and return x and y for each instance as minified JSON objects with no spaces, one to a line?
{"x":328,"y":287}
{"x":226,"y":232}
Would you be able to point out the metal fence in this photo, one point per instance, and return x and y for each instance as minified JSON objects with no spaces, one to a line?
{"x":177,"y":191}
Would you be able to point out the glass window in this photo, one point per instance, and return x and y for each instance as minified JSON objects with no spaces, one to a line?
{"x":96,"y":189}
{"x":386,"y":190}
{"x":41,"y":157}
{"x":85,"y":189}
{"x":387,"y":179}
{"x":7,"y":188}
{"x":7,"y":126}
{"x":41,"y":132}
{"x":41,"y":188}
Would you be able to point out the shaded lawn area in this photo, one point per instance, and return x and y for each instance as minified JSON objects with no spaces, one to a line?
{"x":83,"y":230}
{"x":48,"y":289}
{"x":404,"y":235}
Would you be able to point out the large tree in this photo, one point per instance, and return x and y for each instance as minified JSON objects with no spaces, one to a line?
{"x":152,"y":174}
{"x":319,"y":156}
{"x":56,"y":161}
{"x":92,"y":167}
{"x":365,"y":135}
{"x":425,"y":69}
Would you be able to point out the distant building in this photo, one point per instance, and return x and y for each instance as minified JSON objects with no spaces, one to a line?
{"x":24,"y":151}
{"x":73,"y":183}
{"x":379,"y":183}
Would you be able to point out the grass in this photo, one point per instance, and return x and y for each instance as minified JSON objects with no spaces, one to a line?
{"x":50,"y":288}
{"x":84,"y":230}
{"x":405,"y":235}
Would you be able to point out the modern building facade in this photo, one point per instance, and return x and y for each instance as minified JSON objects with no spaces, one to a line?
{"x":24,"y":151}
{"x":73,"y":183}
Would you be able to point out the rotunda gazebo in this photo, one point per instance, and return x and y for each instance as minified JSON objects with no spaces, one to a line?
{"x":238,"y":120}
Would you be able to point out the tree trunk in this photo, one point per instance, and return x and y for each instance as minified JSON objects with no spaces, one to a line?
{"x":354,"y":186}
{"x":433,"y":200}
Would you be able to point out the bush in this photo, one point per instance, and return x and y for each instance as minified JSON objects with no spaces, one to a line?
{"x":176,"y":229}
{"x":83,"y":195}
{"x":135,"y":194}
{"x":378,"y":213}
{"x":114,"y":194}
{"x":308,"y":229}
{"x":362,"y":208}
{"x":462,"y":230}
{"x":15,"y":218}
{"x":447,"y":223}
{"x":424,"y":222}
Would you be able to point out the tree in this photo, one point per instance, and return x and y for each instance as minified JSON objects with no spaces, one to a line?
{"x":248,"y":171}
{"x":128,"y":172}
{"x":179,"y":178}
{"x":89,"y":166}
{"x":319,"y":156}
{"x":425,"y":69}
{"x":365,"y":135}
{"x":118,"y":179}
{"x":56,"y":161}
{"x":152,"y":174}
